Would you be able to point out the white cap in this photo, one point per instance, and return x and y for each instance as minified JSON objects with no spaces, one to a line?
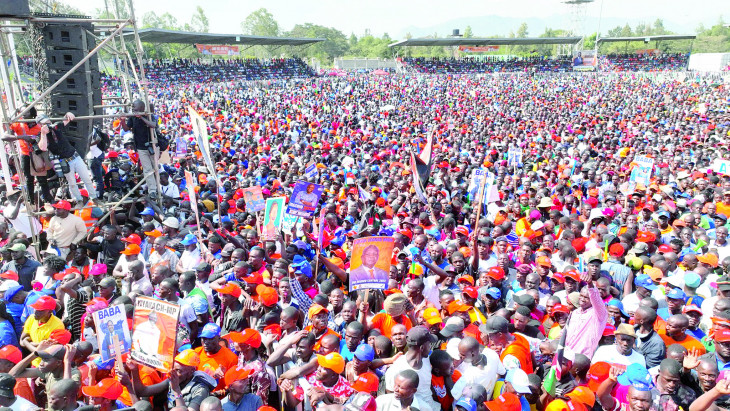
{"x":8,"y":284}
{"x":452,"y":348}
{"x":518,"y":378}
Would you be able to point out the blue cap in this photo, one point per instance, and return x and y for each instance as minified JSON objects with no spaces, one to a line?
{"x":226,"y":219}
{"x":10,"y":292}
{"x":637,"y":376}
{"x":338,"y":241}
{"x":210,"y":330}
{"x":364,"y":352}
{"x":663,"y":214}
{"x":350,"y":219}
{"x":435,"y":233}
{"x":494,"y":292}
{"x":617,"y":303}
{"x":676,"y":294}
{"x":189,"y":239}
{"x":300,"y":245}
{"x":467,"y":404}
{"x":645,"y":281}
{"x":147,"y":211}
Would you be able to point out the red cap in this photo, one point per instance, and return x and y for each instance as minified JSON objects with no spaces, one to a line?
{"x":236,"y":373}
{"x":597,"y":374}
{"x":559,"y":277}
{"x":609,"y":330}
{"x":496,"y":273}
{"x":665,"y":248}
{"x":462,"y":230}
{"x":573,"y":275}
{"x":254,"y":278}
{"x":44,"y":303}
{"x":560,"y":308}
{"x":367,"y":382}
{"x":471,"y":291}
{"x":266,"y":295}
{"x":616,"y":250}
{"x":108,"y":388}
{"x":63,"y":204}
{"x":505,"y":402}
{"x":722,"y":335}
{"x":61,"y":336}
{"x":11,"y":353}
{"x":132,"y":238}
{"x":9,"y":275}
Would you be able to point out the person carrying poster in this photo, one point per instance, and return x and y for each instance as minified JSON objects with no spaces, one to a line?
{"x":254,"y":199}
{"x":305,"y":198}
{"x":371,"y":263}
{"x":112,"y":322}
{"x":272,"y":218}
{"x":153,"y":339}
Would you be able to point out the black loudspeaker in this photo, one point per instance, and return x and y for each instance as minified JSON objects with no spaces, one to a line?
{"x":14,"y":8}
{"x":65,"y":46}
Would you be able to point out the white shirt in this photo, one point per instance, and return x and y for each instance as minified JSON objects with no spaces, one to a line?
{"x":486,"y":377}
{"x":423,"y":393}
{"x":21,"y":404}
{"x":22,"y":222}
{"x":170,"y":190}
{"x":388,"y":402}
{"x":610,"y":354}
{"x":190,"y":259}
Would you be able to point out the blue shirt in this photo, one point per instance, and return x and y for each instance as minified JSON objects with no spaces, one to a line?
{"x":8,"y":335}
{"x":345,"y":352}
{"x":248,"y":402}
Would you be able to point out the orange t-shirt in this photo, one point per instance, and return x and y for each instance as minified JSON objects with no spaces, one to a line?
{"x":384,"y":322}
{"x":442,"y":395}
{"x":23,"y":389}
{"x":318,"y":344}
{"x":723,"y":209}
{"x":520,"y":349}
{"x":690,"y":343}
{"x":22,"y":129}
{"x":148,"y":376}
{"x":225,"y":359}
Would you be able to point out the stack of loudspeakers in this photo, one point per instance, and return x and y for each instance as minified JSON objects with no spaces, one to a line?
{"x":66,"y":45}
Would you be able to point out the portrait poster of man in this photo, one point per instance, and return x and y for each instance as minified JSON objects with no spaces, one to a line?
{"x":304,"y":199}
{"x":254,"y":199}
{"x":273,"y":216}
{"x":370,"y":264}
{"x":153,"y":336}
{"x":110,"y":322}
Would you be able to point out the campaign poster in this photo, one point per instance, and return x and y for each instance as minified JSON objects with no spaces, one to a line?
{"x":304,"y":199}
{"x":155,"y":328}
{"x":641,"y":173}
{"x":720,"y":166}
{"x":254,"y":199}
{"x":273,"y":216}
{"x":288,"y":222}
{"x":514,"y":157}
{"x":370,"y":263}
{"x":112,"y":322}
{"x":584,"y":60}
{"x":311,"y":171}
{"x":476,"y":180}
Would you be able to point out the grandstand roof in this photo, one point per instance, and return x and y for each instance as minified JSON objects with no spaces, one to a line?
{"x":649,"y":38}
{"x":187,"y":37}
{"x":461,"y":41}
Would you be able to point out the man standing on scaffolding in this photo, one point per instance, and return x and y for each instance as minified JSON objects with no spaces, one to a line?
{"x":53,"y":140}
{"x":141,"y":129}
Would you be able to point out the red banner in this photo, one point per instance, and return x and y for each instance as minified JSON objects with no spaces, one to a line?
{"x":217,"y":50}
{"x":478,"y":49}
{"x":655,"y":52}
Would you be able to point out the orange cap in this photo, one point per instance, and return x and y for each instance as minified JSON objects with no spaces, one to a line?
{"x":9,"y":275}
{"x":154,"y":233}
{"x":254,"y":278}
{"x":315,"y":309}
{"x":189,"y":358}
{"x":108,"y":388}
{"x":236,"y":373}
{"x":466,"y":279}
{"x":266,"y":295}
{"x":562,"y":405}
{"x":544,"y":261}
{"x":230,"y":289}
{"x":11,"y":353}
{"x":455,"y":306}
{"x":597,"y":374}
{"x":505,"y":402}
{"x":710,"y":259}
{"x":132,"y":249}
{"x":248,"y":336}
{"x":332,"y":361}
{"x":583,"y":395}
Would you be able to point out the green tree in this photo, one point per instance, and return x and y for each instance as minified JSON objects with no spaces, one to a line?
{"x":468,"y":33}
{"x":199,"y":22}
{"x":260,"y":23}
{"x":336,"y":44}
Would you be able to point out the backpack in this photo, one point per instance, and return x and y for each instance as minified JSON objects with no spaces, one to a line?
{"x":104,"y":142}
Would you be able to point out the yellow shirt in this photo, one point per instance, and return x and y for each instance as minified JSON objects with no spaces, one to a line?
{"x":39,"y":332}
{"x":476,"y":316}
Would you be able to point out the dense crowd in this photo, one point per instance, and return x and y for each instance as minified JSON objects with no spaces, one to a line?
{"x":570,"y":285}
{"x":217,"y":70}
{"x":646,"y":62}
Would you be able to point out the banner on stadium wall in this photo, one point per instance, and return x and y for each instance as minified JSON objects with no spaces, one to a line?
{"x":208,"y":49}
{"x":655,"y":52}
{"x":155,"y":326}
{"x":478,"y":49}
{"x":584,"y":60}
{"x":641,"y":173}
{"x":721,"y":166}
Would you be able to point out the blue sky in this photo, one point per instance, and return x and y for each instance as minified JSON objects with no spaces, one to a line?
{"x":397,"y":17}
